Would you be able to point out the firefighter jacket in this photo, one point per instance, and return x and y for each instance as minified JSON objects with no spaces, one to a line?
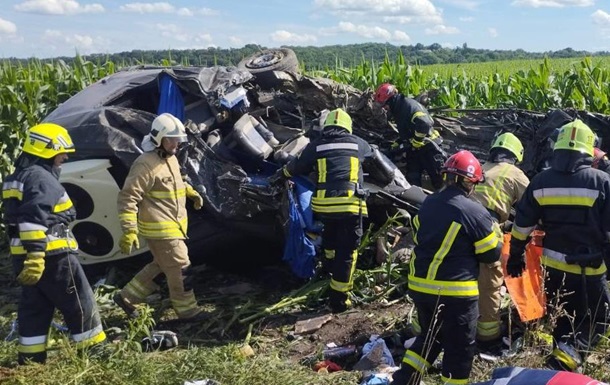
{"x":413,"y":121}
{"x":504,"y":185}
{"x":336,"y":158}
{"x":37,"y":209}
{"x":153,"y":199}
{"x":452,"y":235}
{"x":570,"y":202}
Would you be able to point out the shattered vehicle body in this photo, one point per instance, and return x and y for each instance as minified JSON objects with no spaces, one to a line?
{"x":242,"y":125}
{"x":238,"y":135}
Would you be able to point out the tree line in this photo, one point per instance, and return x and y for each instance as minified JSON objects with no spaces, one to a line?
{"x":332,"y":56}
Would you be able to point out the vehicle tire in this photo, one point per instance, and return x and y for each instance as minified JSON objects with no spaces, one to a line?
{"x":268,"y":66}
{"x":276,"y":59}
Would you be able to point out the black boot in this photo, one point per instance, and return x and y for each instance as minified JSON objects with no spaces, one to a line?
{"x":27,"y":358}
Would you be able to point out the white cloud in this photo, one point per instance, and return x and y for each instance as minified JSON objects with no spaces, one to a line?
{"x":235,"y":41}
{"x":172,"y":31}
{"x":148,"y":8}
{"x":492,"y":32}
{"x":84,"y":44}
{"x":400,"y":11}
{"x":360,"y":30}
{"x":441,"y":30}
{"x":467,"y":19}
{"x":57,"y":7}
{"x":207,"y":12}
{"x":401,"y":37}
{"x":282,"y":36}
{"x":553,"y":3}
{"x":184,"y":12}
{"x":7,"y":27}
{"x":601,"y":18}
{"x":465,"y":4}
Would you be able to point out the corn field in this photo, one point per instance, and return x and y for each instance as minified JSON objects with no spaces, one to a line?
{"x":29,"y":92}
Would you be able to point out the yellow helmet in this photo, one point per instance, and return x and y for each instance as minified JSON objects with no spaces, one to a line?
{"x":339,"y":118}
{"x":46,"y":140}
{"x":510,"y":142}
{"x":576,"y":136}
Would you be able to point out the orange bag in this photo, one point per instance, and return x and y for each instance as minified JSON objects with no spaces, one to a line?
{"x":527,"y":292}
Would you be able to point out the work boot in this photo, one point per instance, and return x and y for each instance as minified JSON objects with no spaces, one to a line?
{"x":128,"y":308}
{"x":339,"y":302}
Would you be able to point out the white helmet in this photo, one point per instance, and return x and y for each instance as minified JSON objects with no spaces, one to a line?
{"x":166,"y":126}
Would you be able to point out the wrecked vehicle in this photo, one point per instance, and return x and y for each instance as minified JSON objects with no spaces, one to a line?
{"x":238,"y":134}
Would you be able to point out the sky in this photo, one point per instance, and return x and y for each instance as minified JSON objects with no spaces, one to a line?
{"x":51,"y":28}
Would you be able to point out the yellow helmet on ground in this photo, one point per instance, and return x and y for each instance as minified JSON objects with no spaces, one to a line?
{"x":339,"y":118}
{"x":46,"y":140}
{"x":510,"y":142}
{"x":576,"y":136}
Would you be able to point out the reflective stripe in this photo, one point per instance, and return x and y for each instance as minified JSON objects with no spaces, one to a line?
{"x":453,"y":381}
{"x":13,"y":189}
{"x":185,"y":305}
{"x":338,"y":205}
{"x":337,"y":146}
{"x":557,"y":261}
{"x":486,"y":244}
{"x":415,"y":229}
{"x":354,"y":165}
{"x":488,"y":329}
{"x":29,"y":226}
{"x":322,"y":170}
{"x":565,"y":358}
{"x":32,"y":235}
{"x":128,"y":217}
{"x":13,"y":185}
{"x":443,"y":250}
{"x":286,"y":172}
{"x":446,"y":288}
{"x":63,"y":204}
{"x":136,"y":290}
{"x":63,"y":243}
{"x":416,"y":361}
{"x":329,"y":254}
{"x":35,"y":344}
{"x":566,"y":196}
{"x":417,"y":114}
{"x":87,"y":334}
{"x":344,"y":287}
{"x":521,"y":233}
{"x":167,"y":194}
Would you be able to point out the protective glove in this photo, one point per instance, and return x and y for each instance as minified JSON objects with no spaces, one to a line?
{"x":129,"y":240}
{"x":515,"y":265}
{"x":33,"y":267}
{"x":193,"y":195}
{"x":507,"y":226}
{"x":277,"y":178}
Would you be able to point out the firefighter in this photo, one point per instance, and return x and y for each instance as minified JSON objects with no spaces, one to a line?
{"x":453,"y":235}
{"x":152,"y":205}
{"x":339,"y":201}
{"x":420,"y":141}
{"x":37,"y":212}
{"x":570,"y":202}
{"x":503,"y":187}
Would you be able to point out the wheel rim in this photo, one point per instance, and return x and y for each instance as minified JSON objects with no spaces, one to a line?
{"x":266,"y":59}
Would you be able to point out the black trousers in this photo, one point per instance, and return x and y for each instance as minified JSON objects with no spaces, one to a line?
{"x":449,"y":325}
{"x":63,"y":286}
{"x":581,"y":307}
{"x":340,"y":239}
{"x":426,"y":158}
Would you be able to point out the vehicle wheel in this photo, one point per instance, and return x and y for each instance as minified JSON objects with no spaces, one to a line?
{"x":267,"y":66}
{"x":276,"y":59}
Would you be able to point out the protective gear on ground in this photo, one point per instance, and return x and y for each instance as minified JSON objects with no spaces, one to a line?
{"x":510,"y":142}
{"x":384,"y":93}
{"x":153,"y":204}
{"x":166,"y":126}
{"x":570,"y":202}
{"x":129,"y":241}
{"x":452,"y":235}
{"x":37,"y":214}
{"x":46,"y":140}
{"x":576,"y":136}
{"x":336,"y":157}
{"x":33,"y":267}
{"x":193,"y":195}
{"x":465,"y":164}
{"x":339,"y":118}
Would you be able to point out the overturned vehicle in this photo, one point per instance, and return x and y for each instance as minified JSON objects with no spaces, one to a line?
{"x":238,"y":135}
{"x":243,"y":124}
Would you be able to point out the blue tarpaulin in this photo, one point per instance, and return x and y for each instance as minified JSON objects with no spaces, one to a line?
{"x":171,"y":99}
{"x":299,"y":250}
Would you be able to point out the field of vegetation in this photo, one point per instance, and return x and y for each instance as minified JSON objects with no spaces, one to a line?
{"x":28,"y":92}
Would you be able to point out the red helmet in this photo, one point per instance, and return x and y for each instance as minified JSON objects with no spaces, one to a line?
{"x":384,"y":93}
{"x":464,"y":164}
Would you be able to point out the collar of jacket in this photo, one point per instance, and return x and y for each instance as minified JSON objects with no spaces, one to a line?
{"x":162,"y":153}
{"x":500,"y":155}
{"x":334,"y":131}
{"x":27,"y":160}
{"x":570,"y":161}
